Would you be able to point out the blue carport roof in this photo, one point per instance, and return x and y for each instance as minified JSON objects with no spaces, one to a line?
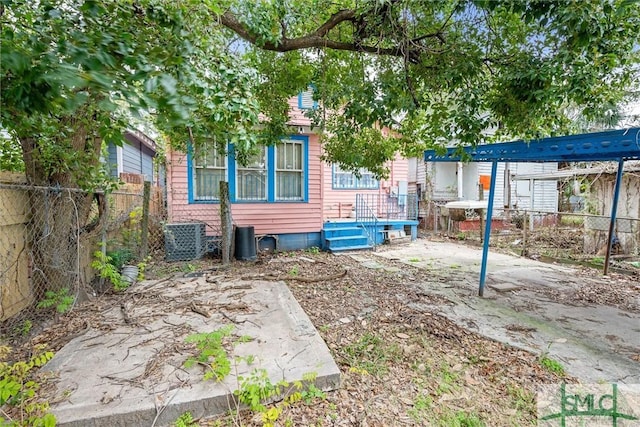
{"x":617,"y":145}
{"x":609,"y":145}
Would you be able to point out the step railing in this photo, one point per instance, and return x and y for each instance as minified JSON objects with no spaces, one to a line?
{"x":366,"y":217}
{"x":373,"y":208}
{"x":387,"y":207}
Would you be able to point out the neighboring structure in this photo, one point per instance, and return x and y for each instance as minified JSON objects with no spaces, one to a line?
{"x":291,"y":198}
{"x":597,"y":202}
{"x":438,"y":184}
{"x":133,"y":161}
{"x":445,"y":182}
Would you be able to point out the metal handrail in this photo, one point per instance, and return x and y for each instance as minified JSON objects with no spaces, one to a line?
{"x":370,"y":226}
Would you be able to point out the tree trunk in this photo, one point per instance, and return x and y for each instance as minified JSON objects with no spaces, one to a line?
{"x":59,"y":209}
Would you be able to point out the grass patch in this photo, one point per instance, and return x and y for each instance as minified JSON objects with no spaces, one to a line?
{"x":448,"y":380}
{"x":421,"y":408}
{"x":571,"y":220}
{"x":597,"y":260}
{"x":523,"y":400}
{"x":552,"y":366}
{"x":460,"y":419}
{"x":370,"y":354}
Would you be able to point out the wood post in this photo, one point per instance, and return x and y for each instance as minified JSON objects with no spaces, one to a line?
{"x":225,"y":222}
{"x":144,"y":239}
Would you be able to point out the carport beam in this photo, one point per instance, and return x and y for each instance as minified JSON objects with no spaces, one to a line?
{"x":487,"y":226}
{"x":614,"y":213}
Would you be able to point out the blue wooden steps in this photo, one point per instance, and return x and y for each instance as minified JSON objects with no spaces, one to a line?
{"x":345,"y":238}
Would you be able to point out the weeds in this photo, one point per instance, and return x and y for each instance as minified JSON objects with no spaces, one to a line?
{"x":523,"y":400}
{"x":421,"y":407}
{"x":185,"y":420}
{"x":212,"y":354}
{"x":61,"y":300}
{"x":460,"y":419}
{"x":448,"y":380}
{"x":370,"y":354}
{"x":103,"y":264}
{"x":24,"y":328}
{"x":552,"y":366}
{"x":18,"y":390}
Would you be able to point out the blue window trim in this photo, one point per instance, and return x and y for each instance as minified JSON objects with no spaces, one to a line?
{"x":305,"y":170}
{"x":271,"y":175}
{"x":355,"y":187}
{"x":190,"y":177}
{"x":190,"y":182}
{"x":315,"y":103}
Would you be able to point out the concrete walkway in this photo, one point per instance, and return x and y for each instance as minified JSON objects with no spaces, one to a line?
{"x":593,"y":342}
{"x":130,"y":371}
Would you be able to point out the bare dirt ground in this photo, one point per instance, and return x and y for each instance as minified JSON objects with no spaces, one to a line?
{"x":399,"y":366}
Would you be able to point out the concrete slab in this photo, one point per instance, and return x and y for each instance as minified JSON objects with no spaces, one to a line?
{"x":596,"y":343}
{"x":504,"y":287}
{"x":132,"y":372}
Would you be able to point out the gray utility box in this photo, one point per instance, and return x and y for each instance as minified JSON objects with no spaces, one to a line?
{"x":185,"y":241}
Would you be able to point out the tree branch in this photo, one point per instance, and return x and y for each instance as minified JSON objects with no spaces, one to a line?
{"x":335,"y":19}
{"x":316,"y":39}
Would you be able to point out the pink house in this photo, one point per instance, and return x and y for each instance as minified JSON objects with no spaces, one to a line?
{"x":291,"y":198}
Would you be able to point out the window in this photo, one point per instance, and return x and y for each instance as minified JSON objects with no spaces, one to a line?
{"x":289,"y":170}
{"x":251,"y":180}
{"x":305,"y":99}
{"x":346,"y":180}
{"x":275,"y":174}
{"x":209,"y":169}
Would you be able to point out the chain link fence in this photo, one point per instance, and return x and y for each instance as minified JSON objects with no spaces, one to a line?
{"x":51,"y":236}
{"x":535,"y":233}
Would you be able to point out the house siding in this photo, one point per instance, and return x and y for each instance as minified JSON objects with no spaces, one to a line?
{"x":131,"y":159}
{"x":147,"y":163}
{"x":545,"y":193}
{"x":337,"y":202}
{"x":136,"y":158}
{"x":112,"y":160}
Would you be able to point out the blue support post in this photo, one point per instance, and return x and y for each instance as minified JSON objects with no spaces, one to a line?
{"x":487,"y":227}
{"x":614,"y":213}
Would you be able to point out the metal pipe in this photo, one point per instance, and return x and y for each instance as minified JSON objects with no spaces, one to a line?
{"x":614,"y":213}
{"x":487,"y":227}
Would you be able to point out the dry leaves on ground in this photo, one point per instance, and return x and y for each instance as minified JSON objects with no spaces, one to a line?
{"x":399,"y":365}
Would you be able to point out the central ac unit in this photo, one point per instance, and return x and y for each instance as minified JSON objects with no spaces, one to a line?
{"x":185,"y":241}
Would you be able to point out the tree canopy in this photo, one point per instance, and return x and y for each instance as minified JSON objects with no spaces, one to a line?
{"x":435,"y":71}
